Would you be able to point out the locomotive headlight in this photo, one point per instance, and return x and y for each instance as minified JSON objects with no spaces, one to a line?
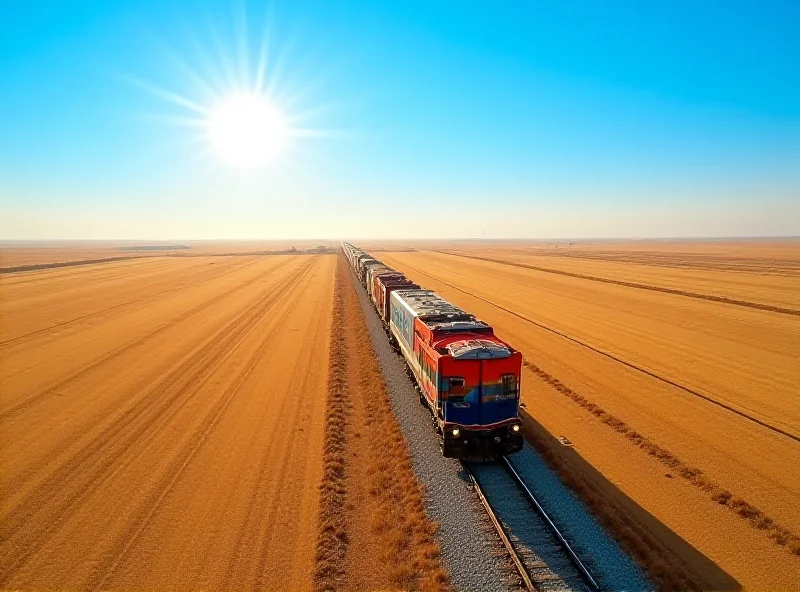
{"x":455,"y":432}
{"x":515,"y":428}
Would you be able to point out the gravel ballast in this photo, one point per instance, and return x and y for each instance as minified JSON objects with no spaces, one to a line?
{"x":549,"y":566}
{"x":607,"y":560}
{"x":468,"y":549}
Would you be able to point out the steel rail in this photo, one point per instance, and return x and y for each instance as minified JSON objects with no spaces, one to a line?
{"x":587,"y":575}
{"x":520,"y":565}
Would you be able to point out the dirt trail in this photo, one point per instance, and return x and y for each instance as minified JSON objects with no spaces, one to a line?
{"x":744,"y":358}
{"x":162,"y":427}
{"x":374,"y":534}
{"x":632,"y":284}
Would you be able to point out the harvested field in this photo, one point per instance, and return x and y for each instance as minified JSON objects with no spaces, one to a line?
{"x":688,"y":405}
{"x":29,"y":254}
{"x":162,"y":423}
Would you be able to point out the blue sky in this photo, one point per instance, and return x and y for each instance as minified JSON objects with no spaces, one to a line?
{"x":420,"y":119}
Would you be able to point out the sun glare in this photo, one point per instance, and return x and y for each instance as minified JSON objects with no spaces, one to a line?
{"x":246,"y":130}
{"x":243,"y":108}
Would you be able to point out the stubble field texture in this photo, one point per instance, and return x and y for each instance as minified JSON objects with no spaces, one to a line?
{"x":202,"y":422}
{"x":672,"y":368}
{"x":185,"y":422}
{"x":152,"y":432}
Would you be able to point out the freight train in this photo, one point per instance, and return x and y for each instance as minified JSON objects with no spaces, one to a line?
{"x":467,"y":377}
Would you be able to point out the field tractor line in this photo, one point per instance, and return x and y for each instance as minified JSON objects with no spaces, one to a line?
{"x":199,"y":276}
{"x":157,"y":276}
{"x":37,"y":285}
{"x":723,"y":404}
{"x":21,"y":339}
{"x":263,"y":522}
{"x":182,"y":460}
{"x":778,"y":267}
{"x":97,"y":277}
{"x":34,"y":398}
{"x":147,"y":429}
{"x":323,"y":324}
{"x":778,"y":533}
{"x":99,"y":477}
{"x":197,"y":360}
{"x":97,"y":454}
{"x":785,"y":268}
{"x":673,"y":291}
{"x":40,"y":266}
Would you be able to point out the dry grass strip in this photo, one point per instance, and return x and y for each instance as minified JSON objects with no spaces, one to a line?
{"x":332,"y":535}
{"x":407,"y":538}
{"x":403,"y":536}
{"x":779,"y":534}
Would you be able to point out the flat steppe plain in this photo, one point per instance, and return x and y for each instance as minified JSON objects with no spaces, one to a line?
{"x":162,"y":422}
{"x":25,"y":253}
{"x":694,"y":346}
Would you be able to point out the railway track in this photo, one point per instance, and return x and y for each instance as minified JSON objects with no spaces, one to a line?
{"x":544,"y":558}
{"x":541,"y":553}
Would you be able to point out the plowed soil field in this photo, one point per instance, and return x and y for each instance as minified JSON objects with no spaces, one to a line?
{"x":162,"y":423}
{"x":674,"y":372}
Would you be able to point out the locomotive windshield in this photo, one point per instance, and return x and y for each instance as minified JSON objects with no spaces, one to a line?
{"x":509,"y":384}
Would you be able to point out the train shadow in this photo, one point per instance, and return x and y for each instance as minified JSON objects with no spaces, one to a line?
{"x":653,"y":544}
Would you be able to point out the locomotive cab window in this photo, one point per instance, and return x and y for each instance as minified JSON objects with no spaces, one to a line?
{"x":509,"y":384}
{"x":456,"y":388}
{"x":455,"y":383}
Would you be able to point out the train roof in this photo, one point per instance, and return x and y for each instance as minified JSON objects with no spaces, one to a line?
{"x":478,"y":349}
{"x":439,"y":314}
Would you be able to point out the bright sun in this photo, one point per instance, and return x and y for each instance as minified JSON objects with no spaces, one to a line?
{"x":247,"y":130}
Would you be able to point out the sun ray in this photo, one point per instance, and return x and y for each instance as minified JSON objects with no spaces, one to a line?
{"x":168,"y":95}
{"x":228,"y":70}
{"x":340,"y":134}
{"x":181,"y":121}
{"x":183,"y":66}
{"x":279,"y":63}
{"x":240,"y":39}
{"x":263,"y":52}
{"x":210,"y":67}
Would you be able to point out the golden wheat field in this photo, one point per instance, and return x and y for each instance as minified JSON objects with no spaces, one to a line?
{"x":673,"y":368}
{"x":151,"y":410}
{"x":44,"y":254}
{"x":184,"y":422}
{"x":171,"y":423}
